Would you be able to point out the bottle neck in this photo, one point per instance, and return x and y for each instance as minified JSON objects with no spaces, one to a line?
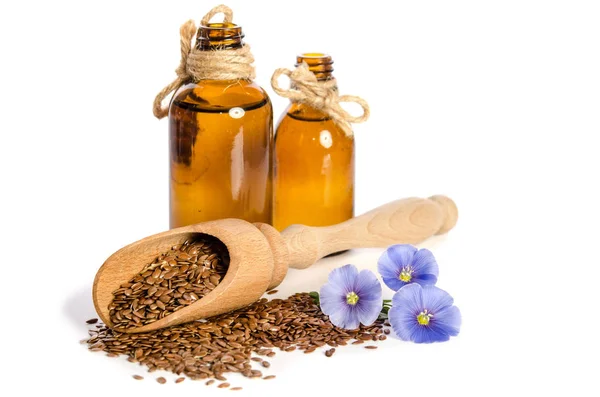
{"x":219,"y":36}
{"x":320,"y":64}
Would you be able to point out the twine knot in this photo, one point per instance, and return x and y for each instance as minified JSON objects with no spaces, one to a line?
{"x":196,"y":65}
{"x":322,"y":95}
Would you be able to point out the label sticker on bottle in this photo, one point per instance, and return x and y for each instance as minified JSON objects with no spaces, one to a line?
{"x":325,"y":139}
{"x":236,"y":113}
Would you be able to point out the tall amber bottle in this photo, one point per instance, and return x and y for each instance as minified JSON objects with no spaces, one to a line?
{"x":221,"y":138}
{"x":314,"y":162}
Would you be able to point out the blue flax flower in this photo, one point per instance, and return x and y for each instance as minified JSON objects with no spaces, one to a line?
{"x":403,"y":264}
{"x":424,"y":314}
{"x":350,"y":298}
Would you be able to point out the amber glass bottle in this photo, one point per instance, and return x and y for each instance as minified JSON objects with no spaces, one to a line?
{"x":314,"y":162}
{"x":221,"y":138}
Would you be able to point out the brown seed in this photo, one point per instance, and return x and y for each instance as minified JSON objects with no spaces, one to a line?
{"x":168,"y":284}
{"x":92,"y":321}
{"x":138,"y":377}
{"x":236,"y":388}
{"x":179,"y":380}
{"x":386,"y":331}
{"x":269,"y":377}
{"x":371,"y":347}
{"x":223,"y":385}
{"x":273,"y":291}
{"x":225,"y":343}
{"x":161,"y":380}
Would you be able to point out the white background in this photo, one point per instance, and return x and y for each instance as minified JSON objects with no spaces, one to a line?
{"x":495,"y":104}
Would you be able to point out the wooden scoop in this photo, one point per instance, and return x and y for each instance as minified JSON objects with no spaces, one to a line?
{"x":260,"y":255}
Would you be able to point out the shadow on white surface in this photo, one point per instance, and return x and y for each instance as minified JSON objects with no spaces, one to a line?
{"x":79,"y":307}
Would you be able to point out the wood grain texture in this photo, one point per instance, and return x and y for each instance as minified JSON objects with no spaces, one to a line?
{"x":248,"y":276}
{"x":410,"y":221}
{"x":260,"y":256}
{"x":280,"y":253}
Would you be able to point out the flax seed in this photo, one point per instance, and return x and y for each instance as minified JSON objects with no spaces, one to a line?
{"x":161,"y":380}
{"x":138,"y":377}
{"x":151,"y":292}
{"x":226,"y":343}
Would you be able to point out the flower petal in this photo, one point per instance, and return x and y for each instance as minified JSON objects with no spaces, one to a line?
{"x":447,"y":320}
{"x":403,"y":321}
{"x":367,"y":286}
{"x":370,"y":300}
{"x":341,"y":281}
{"x":429,"y":334}
{"x":424,"y":266}
{"x":411,"y":297}
{"x":387,"y":267}
{"x":435,"y":299}
{"x":401,"y":254}
{"x":407,"y":303}
{"x":392,"y":261}
{"x":394,"y":283}
{"x":343,"y":278}
{"x":345,"y":316}
{"x":331,"y":297}
{"x":425,"y":279}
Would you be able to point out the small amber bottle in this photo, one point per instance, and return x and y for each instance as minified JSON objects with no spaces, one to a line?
{"x":313,"y":162}
{"x":221,"y":138}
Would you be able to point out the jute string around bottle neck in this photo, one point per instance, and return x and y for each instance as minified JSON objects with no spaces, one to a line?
{"x":322,"y":95}
{"x":196,"y":64}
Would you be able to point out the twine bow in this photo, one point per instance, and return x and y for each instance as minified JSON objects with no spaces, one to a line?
{"x":322,"y":95}
{"x":196,"y":65}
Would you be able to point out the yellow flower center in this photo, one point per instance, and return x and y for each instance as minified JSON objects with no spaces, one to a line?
{"x":405,"y":274}
{"x":352,"y":298}
{"x":424,"y":317}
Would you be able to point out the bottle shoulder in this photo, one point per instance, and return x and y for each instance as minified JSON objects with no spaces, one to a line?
{"x":303,"y":112}
{"x":222,"y":94}
{"x":324,"y":134}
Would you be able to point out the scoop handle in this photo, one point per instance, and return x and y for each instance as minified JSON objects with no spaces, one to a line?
{"x":409,"y":221}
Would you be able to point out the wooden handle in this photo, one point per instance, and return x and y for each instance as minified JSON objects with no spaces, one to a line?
{"x":409,"y":221}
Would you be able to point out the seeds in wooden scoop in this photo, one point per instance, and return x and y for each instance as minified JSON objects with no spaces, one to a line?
{"x":173,"y":280}
{"x":231,"y":342}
